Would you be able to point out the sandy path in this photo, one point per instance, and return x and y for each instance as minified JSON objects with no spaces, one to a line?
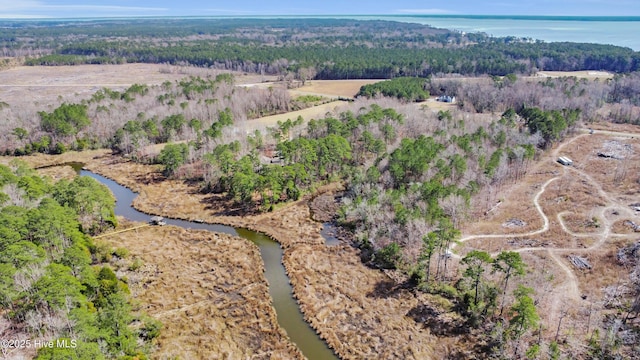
{"x":570,"y":288}
{"x":536,"y":203}
{"x":315,"y":112}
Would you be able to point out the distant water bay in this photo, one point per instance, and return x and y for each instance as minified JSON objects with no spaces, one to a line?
{"x":620,"y":31}
{"x":612,"y":30}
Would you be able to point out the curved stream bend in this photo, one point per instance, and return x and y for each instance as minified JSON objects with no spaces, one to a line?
{"x":289,"y":316}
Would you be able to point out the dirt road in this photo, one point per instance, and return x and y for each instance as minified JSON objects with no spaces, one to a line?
{"x":570,"y":288}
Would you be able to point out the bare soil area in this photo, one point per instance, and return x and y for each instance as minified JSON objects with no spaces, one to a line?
{"x":342,"y":88}
{"x":586,"y":74}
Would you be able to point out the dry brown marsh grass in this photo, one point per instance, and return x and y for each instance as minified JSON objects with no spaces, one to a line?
{"x":38,"y":160}
{"x":209,"y":292}
{"x":606,"y":270}
{"x":359,"y":311}
{"x":622,"y":226}
{"x":290,"y":224}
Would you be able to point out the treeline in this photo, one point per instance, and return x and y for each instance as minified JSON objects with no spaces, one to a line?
{"x":52,"y":284}
{"x":594,"y":100}
{"x":331,"y":62}
{"x":304,"y":30}
{"x":336,"y":49}
{"x":409,"y":89}
{"x":358,"y":61}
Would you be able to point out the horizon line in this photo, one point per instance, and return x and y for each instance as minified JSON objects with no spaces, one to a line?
{"x":485,"y":16}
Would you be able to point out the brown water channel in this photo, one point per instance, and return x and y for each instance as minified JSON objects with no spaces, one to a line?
{"x":288,"y":312}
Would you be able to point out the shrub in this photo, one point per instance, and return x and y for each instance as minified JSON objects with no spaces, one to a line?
{"x":388,"y":257}
{"x":122,"y":253}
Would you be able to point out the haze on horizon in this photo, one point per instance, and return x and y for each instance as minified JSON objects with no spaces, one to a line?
{"x":125,"y":8}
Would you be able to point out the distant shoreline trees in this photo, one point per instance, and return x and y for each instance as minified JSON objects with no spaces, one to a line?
{"x":302,"y":48}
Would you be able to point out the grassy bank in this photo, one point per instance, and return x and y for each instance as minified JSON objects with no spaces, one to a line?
{"x":207,"y":289}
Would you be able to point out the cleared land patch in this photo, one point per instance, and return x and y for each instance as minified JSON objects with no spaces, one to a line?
{"x":583,"y":209}
{"x":587,"y":74}
{"x":343,"y":88}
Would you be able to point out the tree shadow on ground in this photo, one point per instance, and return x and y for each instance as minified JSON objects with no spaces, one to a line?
{"x":388,"y":288}
{"x":220,"y":205}
{"x":437,"y":322}
{"x":150,"y":178}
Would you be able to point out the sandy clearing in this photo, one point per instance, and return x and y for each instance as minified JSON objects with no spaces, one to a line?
{"x":315,"y":112}
{"x":572,"y":290}
{"x":587,"y":74}
{"x":344,"y":88}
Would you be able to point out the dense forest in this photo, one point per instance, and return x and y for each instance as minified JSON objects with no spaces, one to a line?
{"x":406,"y":88}
{"x":332,"y":48}
{"x":55,"y":281}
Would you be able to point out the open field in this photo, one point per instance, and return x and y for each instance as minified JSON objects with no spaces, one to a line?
{"x":327,"y":88}
{"x":586,"y":74}
{"x":315,"y":112}
{"x":43,"y":85}
{"x":334,"y":88}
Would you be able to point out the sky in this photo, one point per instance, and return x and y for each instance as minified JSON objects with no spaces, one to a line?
{"x":119,"y":8}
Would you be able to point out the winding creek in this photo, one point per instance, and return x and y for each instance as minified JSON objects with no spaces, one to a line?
{"x":288,"y":312}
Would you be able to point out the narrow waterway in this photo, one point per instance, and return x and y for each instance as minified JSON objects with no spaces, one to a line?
{"x":289,"y":316}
